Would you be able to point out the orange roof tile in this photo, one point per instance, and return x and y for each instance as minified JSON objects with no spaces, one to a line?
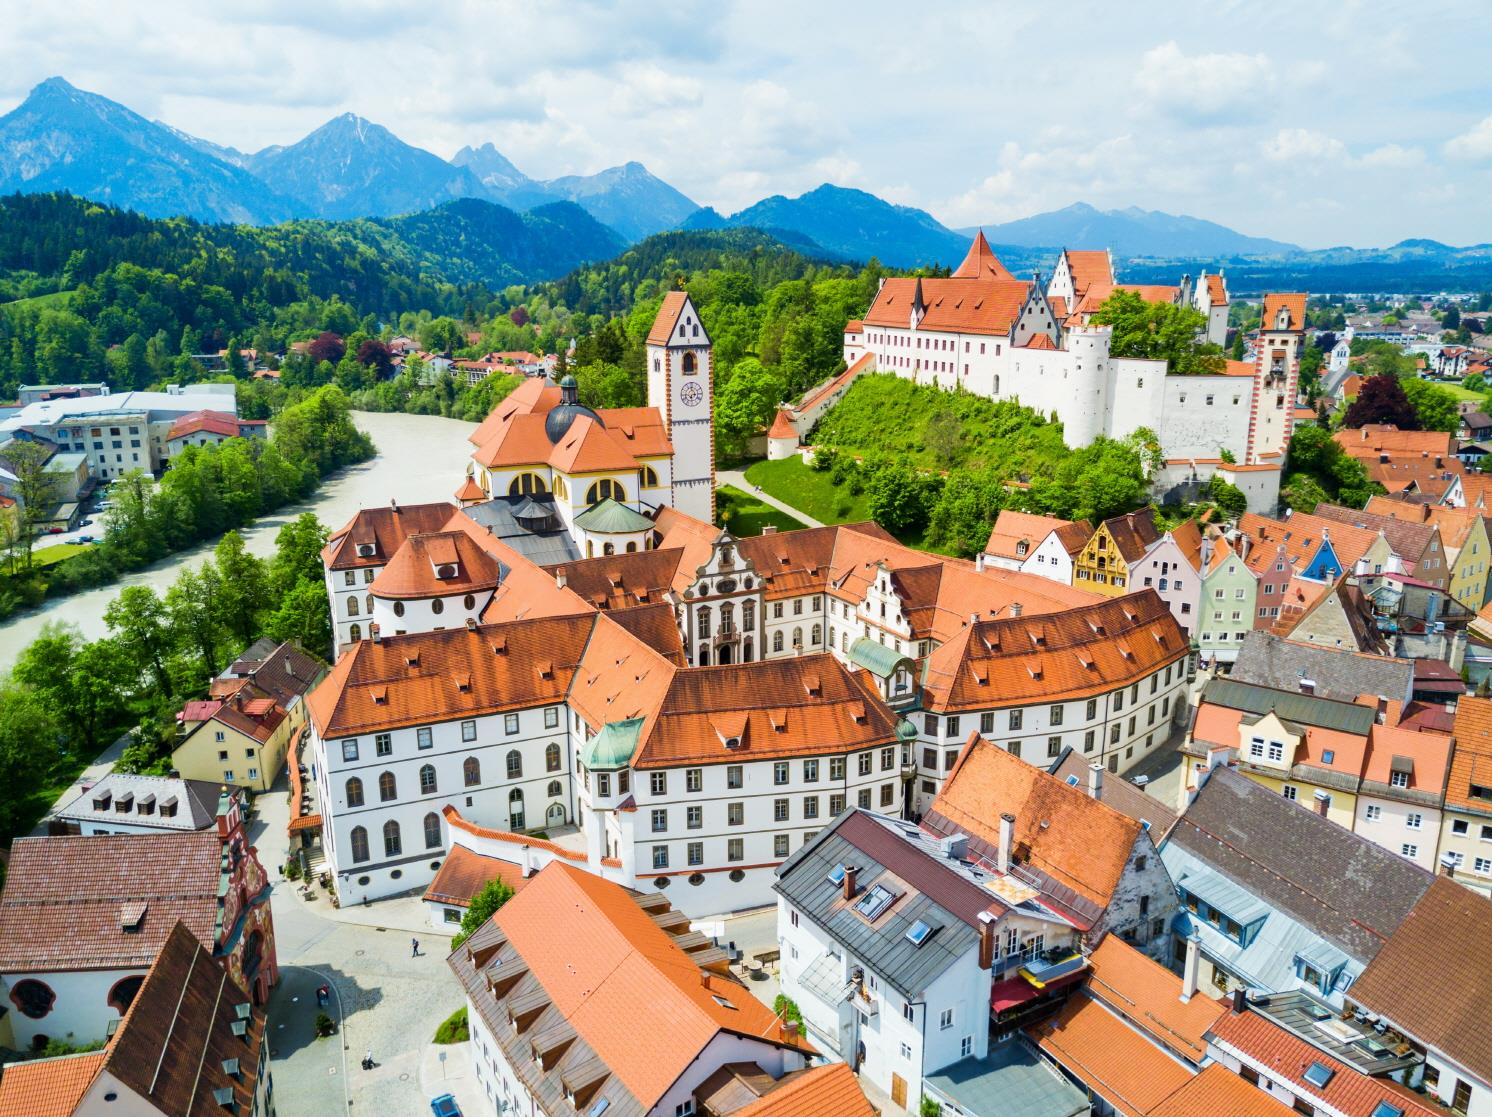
{"x":1294,"y":303}
{"x":954,"y":305}
{"x":1218,"y":1092}
{"x":48,"y":1087}
{"x":532,"y":395}
{"x":464,"y":873}
{"x":866,"y":361}
{"x":1013,"y":528}
{"x":782,"y":427}
{"x":854,"y":326}
{"x":625,"y":986}
{"x":1078,"y":841}
{"x":1055,"y":657}
{"x":413,"y":572}
{"x":981,"y":262}
{"x":1149,"y":996}
{"x":620,"y":581}
{"x":1089,"y":267}
{"x":1429,"y":752}
{"x":1040,"y":341}
{"x":1109,"y":1057}
{"x":1238,"y":368}
{"x":1471,"y":765}
{"x":470,"y":490}
{"x":1302,"y":533}
{"x":384,"y":529}
{"x":831,"y":1090}
{"x":668,"y":317}
{"x":1286,"y":1057}
{"x":1217,"y":290}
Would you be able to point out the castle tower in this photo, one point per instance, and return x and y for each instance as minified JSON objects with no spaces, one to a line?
{"x":1276,"y":375}
{"x":681,"y":387}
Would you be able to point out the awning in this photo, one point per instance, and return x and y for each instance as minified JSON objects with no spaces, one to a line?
{"x":1016,"y":991}
{"x":305,"y":822}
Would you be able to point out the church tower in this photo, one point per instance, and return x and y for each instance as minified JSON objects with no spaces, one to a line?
{"x":681,"y":387}
{"x":1276,"y":377}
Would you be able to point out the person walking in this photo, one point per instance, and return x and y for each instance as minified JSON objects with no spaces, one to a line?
{"x":415,"y":945}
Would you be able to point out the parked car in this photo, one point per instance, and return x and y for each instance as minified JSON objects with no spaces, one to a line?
{"x":85,"y":523}
{"x":56,"y":530}
{"x":445,"y":1106}
{"x":86,"y":539}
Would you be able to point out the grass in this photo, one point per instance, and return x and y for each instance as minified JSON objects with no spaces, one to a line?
{"x":746,"y":515}
{"x":454,"y":1028}
{"x":1458,"y":391}
{"x":31,"y":808}
{"x":793,"y":482}
{"x":49,"y":556}
{"x":56,"y":299}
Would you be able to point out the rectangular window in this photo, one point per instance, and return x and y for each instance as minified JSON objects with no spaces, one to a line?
{"x":694,"y":817}
{"x":423,"y":739}
{"x":1409,"y":850}
{"x":930,"y":724}
{"x":780,"y":810}
{"x":733,"y":778}
{"x":694,"y":779}
{"x":810,"y":771}
{"x":1091,"y":710}
{"x":810,"y":806}
{"x":383,"y":744}
{"x":780,"y":845}
{"x":987,"y":723}
{"x":863,"y":763}
{"x":1414,"y":820}
{"x":735,"y":814}
{"x":1053,"y":746}
{"x":888,"y":794}
{"x":952,"y":730}
{"x":1054,"y":715}
{"x":658,"y":781}
{"x":1289,"y":792}
{"x":349,"y":749}
{"x":1374,"y":813}
{"x":660,"y":822}
{"x":468,"y":731}
{"x":945,"y":1020}
{"x":1088,"y":741}
{"x":780,"y":773}
{"x":1016,"y":718}
{"x":862,"y":798}
{"x":735,"y":850}
{"x":1013,"y":748}
{"x":888,"y":758}
{"x":696,"y":853}
{"x":551,"y":717}
{"x":836,"y":767}
{"x":510,"y":724}
{"x":966,"y":1046}
{"x":836,"y":805}
{"x":660,"y":857}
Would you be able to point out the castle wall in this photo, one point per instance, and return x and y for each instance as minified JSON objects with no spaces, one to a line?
{"x":1201,"y":415}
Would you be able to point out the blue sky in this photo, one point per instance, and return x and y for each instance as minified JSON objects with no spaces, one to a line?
{"x":1349,"y":123}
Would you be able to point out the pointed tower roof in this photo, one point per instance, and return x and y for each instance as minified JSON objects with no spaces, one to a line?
{"x":981,"y":262}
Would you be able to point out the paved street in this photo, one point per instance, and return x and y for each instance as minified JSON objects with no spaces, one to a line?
{"x":384,"y":1000}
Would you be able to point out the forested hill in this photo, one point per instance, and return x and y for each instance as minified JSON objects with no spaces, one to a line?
{"x":667,"y":260}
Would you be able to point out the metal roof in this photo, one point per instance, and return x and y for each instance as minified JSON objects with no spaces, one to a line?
{"x":877,"y":658}
{"x":1303,"y":709}
{"x":1010,"y":1079}
{"x":614,"y":745}
{"x":610,"y":517}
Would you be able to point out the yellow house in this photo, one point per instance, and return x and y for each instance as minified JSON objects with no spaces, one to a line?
{"x":1309,"y":750}
{"x":1467,"y":546}
{"x":240,"y":733}
{"x":1111,"y":553}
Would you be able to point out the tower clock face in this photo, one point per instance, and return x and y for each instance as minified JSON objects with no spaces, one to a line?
{"x":691,"y":393}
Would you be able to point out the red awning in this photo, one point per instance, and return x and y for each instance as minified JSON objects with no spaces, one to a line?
{"x":1016,"y":991}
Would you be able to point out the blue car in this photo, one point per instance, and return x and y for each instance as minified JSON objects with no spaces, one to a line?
{"x":445,"y":1106}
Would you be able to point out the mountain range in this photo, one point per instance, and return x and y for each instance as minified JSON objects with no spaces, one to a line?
{"x":1130,"y":232}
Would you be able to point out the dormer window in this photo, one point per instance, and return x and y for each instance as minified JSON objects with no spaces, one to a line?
{"x":365,"y":550}
{"x":1021,"y":548}
{"x":446,"y":571}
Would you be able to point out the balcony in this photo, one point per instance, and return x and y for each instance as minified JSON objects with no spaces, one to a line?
{"x":728,"y":634}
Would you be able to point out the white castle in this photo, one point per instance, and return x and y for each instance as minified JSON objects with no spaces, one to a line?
{"x":984,"y":331}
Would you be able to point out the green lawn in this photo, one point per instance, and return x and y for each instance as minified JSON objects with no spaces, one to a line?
{"x":746,"y":515}
{"x":1458,"y":391}
{"x":55,"y":299}
{"x":793,"y":482}
{"x":47,"y":556}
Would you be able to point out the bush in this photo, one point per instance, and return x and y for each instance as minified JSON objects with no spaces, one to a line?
{"x":787,"y":1008}
{"x":454,"y":1028}
{"x":292,"y":869}
{"x":325,"y":1025}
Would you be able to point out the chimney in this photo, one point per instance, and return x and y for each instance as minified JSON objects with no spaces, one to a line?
{"x":1007,"y":839}
{"x":394,"y":504}
{"x":1095,"y":781}
{"x":561,"y":579}
{"x":986,"y":940}
{"x":373,"y":632}
{"x":1240,"y":1000}
{"x":1448,"y":865}
{"x":1322,"y":801}
{"x":1189,"y":971}
{"x":1015,"y":608}
{"x":769,"y":529}
{"x":789,"y":1030}
{"x":528,"y":860}
{"x":851,"y":874}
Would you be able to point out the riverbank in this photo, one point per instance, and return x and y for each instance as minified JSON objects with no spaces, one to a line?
{"x":421,"y":458}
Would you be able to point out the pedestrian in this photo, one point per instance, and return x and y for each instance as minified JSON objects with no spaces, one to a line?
{"x":368,"y":1060}
{"x":416,"y":945}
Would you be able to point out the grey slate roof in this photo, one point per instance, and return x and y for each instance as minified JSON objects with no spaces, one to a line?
{"x":1292,"y":706}
{"x":1010,"y":1079}
{"x":530,"y":525}
{"x":1345,"y":888}
{"x":197,"y":802}
{"x":1118,"y":792}
{"x":1269,"y":660}
{"x":858,"y":838}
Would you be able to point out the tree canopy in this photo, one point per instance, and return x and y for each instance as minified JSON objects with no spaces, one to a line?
{"x":1159,"y":331}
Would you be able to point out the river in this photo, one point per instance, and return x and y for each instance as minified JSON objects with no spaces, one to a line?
{"x":421,"y":458}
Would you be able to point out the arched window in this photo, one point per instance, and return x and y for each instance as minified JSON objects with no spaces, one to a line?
{"x":359,"y":844}
{"x":552,"y":757}
{"x":469,"y":602}
{"x":34,"y":998}
{"x":746,"y":650}
{"x":437,"y":606}
{"x":657,"y":365}
{"x":649,"y":477}
{"x":392,"y":846}
{"x":388,"y":788}
{"x":797,"y":637}
{"x":777,"y":640}
{"x":355,"y":632}
{"x":605,"y":489}
{"x":691,"y":366}
{"x":702,"y":622}
{"x":631,"y":546}
{"x":368,"y":606}
{"x":123,"y":993}
{"x":526,"y":484}
{"x":398,"y":608}
{"x":515,"y":764}
{"x":352,"y":609}
{"x":556,"y":789}
{"x":427,"y":779}
{"x":471,"y":771}
{"x":515,"y":809}
{"x":704,"y":657}
{"x":354,"y":792}
{"x":816,"y":635}
{"x":609,"y":549}
{"x":432,"y":831}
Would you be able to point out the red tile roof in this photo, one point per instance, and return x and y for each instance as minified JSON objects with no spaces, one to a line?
{"x":980,"y":262}
{"x":1285,"y":1058}
{"x":1294,"y":302}
{"x":213,"y":422}
{"x":48,"y":1087}
{"x":668,"y":317}
{"x":953,"y":305}
{"x":782,"y":427}
{"x":1012,"y":528}
{"x":385,"y":529}
{"x":1111,"y":1058}
{"x":1471,"y":765}
{"x":413,"y":571}
{"x":464,"y":873}
{"x":1218,"y":1092}
{"x":830,"y":1090}
{"x":1149,"y":996}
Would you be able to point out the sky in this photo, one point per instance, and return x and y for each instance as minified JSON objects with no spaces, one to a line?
{"x":1322,"y":124}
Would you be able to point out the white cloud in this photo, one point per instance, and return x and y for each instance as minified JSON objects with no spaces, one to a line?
{"x":1211,"y":87}
{"x":1393,"y":157}
{"x":1473,"y":145}
{"x":1292,"y":145}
